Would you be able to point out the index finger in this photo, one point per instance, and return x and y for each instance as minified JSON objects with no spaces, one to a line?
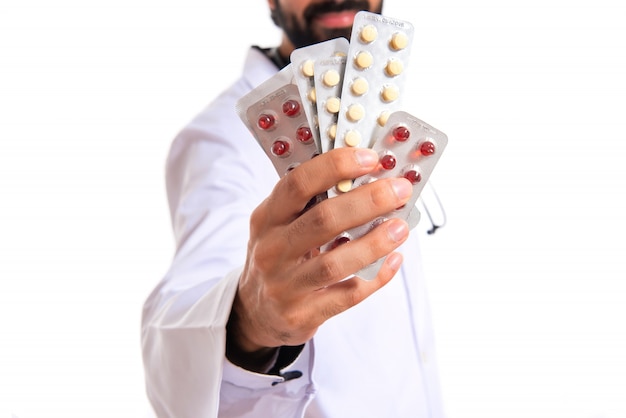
{"x":309,"y":179}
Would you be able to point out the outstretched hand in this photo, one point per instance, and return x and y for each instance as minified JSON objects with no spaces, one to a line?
{"x":287,"y":288}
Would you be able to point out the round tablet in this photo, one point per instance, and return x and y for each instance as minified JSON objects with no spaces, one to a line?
{"x":398,"y":41}
{"x":388,"y":162}
{"x":369,"y":33}
{"x":352,"y":138}
{"x":412,"y":175}
{"x":355,"y":112}
{"x":359,"y":86}
{"x":390,"y":93}
{"x":331,"y":78}
{"x":394,"y":68}
{"x":332,"y":131}
{"x":333,"y":104}
{"x":363,"y":60}
{"x":382,"y":118}
{"x":307,"y":68}
{"x":281,"y":148}
{"x":312,"y":96}
{"x":344,"y":186}
{"x":427,"y":148}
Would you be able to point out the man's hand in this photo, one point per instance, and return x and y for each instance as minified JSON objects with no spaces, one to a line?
{"x":287,"y":289}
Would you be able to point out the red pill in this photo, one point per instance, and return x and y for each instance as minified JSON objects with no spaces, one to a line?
{"x":427,"y":148}
{"x":401,"y":133}
{"x":388,"y":162}
{"x":413,"y":176}
{"x":266,"y":121}
{"x":291,"y":108}
{"x":304,"y":134}
{"x":339,"y":241}
{"x":280,"y":148}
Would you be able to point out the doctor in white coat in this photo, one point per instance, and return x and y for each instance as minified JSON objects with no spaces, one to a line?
{"x":250,"y":321}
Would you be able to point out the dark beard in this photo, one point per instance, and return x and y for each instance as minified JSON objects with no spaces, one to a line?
{"x":301,"y":36}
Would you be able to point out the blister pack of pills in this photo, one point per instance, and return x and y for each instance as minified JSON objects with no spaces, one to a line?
{"x":407,"y":147}
{"x":304,"y":62}
{"x":374,"y":76}
{"x":337,"y":94}
{"x":275,"y":115}
{"x":328,"y":81}
{"x":373,"y":79}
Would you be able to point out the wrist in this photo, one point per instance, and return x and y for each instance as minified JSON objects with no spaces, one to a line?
{"x":243,"y":352}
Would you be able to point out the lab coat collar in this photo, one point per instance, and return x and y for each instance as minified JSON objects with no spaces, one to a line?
{"x":257,"y":68}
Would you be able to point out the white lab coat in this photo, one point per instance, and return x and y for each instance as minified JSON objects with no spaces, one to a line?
{"x":375,"y":360}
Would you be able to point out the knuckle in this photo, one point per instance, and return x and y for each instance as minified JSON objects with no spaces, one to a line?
{"x":352,"y":298}
{"x":322,"y":218}
{"x":296,"y":230}
{"x":329,"y":268}
{"x":264,"y":254}
{"x":297,"y":184}
{"x":292,"y":321}
{"x":333,"y":309}
{"x":342,"y":163}
{"x":382,"y":195}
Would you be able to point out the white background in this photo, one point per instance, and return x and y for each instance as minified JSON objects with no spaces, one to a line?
{"x":527,"y":280}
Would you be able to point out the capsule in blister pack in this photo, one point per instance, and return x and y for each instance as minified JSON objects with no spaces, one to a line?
{"x":274,"y":114}
{"x":328,"y":81}
{"x":303,"y":62}
{"x":374,"y":77}
{"x":407,"y":147}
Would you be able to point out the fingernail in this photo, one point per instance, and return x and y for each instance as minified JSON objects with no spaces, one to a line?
{"x":394,"y":260}
{"x":397,"y":231}
{"x":366,"y":157}
{"x":402,"y":187}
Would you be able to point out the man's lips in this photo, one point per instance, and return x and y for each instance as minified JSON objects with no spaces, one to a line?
{"x":334,"y":20}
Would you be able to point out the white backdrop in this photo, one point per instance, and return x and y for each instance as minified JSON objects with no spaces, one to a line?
{"x":527,"y":280}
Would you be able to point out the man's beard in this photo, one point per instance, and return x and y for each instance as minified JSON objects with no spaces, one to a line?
{"x":304,"y":35}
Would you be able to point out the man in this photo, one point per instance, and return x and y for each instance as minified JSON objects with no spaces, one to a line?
{"x":250,"y":321}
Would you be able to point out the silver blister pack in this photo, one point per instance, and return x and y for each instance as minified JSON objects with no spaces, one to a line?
{"x":407,"y":147}
{"x":328,"y":81}
{"x":338,"y":93}
{"x":375,"y":74}
{"x":303,"y":62}
{"x":275,"y":116}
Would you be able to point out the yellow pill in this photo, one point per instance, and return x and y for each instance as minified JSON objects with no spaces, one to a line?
{"x":369,"y":34}
{"x":356,"y":112}
{"x":359,"y":86}
{"x":398,"y":41}
{"x":332,"y":132}
{"x":307,"y":68}
{"x":390,"y":93}
{"x":331,"y":78}
{"x":352,"y":138}
{"x":394,"y":68}
{"x":344,"y":186}
{"x":383,"y":117}
{"x":333,"y":104}
{"x":312,"y":96}
{"x":363,"y":60}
